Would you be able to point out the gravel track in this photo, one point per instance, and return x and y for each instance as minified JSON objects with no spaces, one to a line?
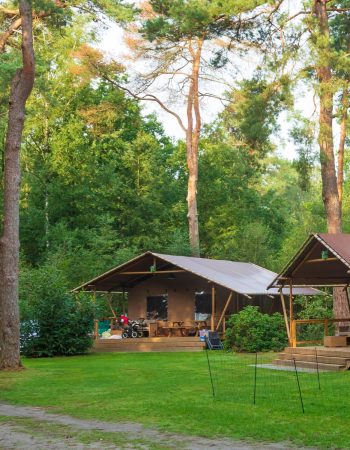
{"x":13,"y":435}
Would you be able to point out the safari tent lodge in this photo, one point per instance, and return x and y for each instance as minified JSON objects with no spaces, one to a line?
{"x":178,"y":296}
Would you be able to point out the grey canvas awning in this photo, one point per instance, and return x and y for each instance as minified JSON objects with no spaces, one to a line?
{"x":241,"y":277}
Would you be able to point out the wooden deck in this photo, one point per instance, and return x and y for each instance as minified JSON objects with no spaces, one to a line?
{"x":153,"y":344}
{"x":335,"y":358}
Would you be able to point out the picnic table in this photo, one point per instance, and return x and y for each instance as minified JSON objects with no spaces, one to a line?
{"x":178,"y":325}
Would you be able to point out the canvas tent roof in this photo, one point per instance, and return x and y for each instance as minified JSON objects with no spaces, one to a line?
{"x":323,"y":260}
{"x":240,"y":277}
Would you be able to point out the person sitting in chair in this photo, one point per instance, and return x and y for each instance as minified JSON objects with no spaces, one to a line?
{"x":124,"y":320}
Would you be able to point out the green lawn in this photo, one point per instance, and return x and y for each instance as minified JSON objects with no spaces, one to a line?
{"x":173,"y":391}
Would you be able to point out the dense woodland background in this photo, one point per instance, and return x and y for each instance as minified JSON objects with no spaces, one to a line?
{"x":102,"y":182}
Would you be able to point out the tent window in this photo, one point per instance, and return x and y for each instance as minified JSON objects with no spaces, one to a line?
{"x":202,"y":306}
{"x":157,"y":307}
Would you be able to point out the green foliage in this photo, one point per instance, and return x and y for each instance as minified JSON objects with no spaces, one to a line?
{"x":101,"y":181}
{"x":254,"y":110}
{"x":252,"y":331}
{"x":53,"y":321}
{"x":303,"y":135}
{"x":246,"y":202}
{"x":187,"y":18}
{"x":315,"y":307}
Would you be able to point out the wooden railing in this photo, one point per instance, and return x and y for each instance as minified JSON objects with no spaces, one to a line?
{"x":293,"y":330}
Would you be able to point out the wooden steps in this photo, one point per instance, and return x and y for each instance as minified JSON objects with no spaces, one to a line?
{"x":155,"y":344}
{"x":332,"y":359}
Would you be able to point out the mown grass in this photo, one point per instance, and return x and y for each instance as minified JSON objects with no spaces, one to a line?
{"x":173,"y":392}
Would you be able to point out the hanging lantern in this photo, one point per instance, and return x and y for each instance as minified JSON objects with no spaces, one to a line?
{"x":324,"y":254}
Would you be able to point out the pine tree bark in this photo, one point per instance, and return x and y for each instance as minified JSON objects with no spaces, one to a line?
{"x":341,"y":148}
{"x":328,"y":171}
{"x":341,"y":307}
{"x":192,"y":144}
{"x":21,"y":88}
{"x":330,"y":182}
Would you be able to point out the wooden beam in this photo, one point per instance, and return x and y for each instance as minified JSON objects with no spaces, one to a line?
{"x":157,"y":272}
{"x":96,"y":329}
{"x":291,"y":310}
{"x":109,"y":300}
{"x":304,"y":259}
{"x":293,"y":334}
{"x":95,"y":335}
{"x":212,"y":307}
{"x":124,"y":303}
{"x":318,"y":260}
{"x":285,"y":314}
{"x":224,"y":310}
{"x":340,"y":319}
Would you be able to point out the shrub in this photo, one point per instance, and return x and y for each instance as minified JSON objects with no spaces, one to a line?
{"x":252,"y":331}
{"x":53,"y":321}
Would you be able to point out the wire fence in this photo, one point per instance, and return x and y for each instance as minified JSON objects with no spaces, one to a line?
{"x":256,"y":379}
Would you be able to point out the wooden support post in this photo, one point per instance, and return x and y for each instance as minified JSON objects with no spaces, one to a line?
{"x":291,"y":312}
{"x":109,"y":300}
{"x":95,"y":329}
{"x":95,"y":334}
{"x":285,"y":314}
{"x":326,"y":327}
{"x":212,"y":307}
{"x":293,"y":334}
{"x":347,"y":295}
{"x":224,"y":311}
{"x":123,"y":302}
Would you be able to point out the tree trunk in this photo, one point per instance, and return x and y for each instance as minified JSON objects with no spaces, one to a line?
{"x":192,"y":142}
{"x":21,"y":87}
{"x":324,"y":75}
{"x":46,"y":177}
{"x":330,"y":183}
{"x":340,"y":299}
{"x":341,"y":149}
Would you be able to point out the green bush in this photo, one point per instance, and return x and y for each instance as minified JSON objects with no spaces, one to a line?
{"x":53,"y":321}
{"x":252,"y":331}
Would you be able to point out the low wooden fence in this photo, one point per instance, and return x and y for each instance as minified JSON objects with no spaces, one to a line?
{"x":326,"y":322}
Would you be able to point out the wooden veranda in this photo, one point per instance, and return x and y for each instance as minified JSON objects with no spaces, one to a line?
{"x":323,"y":261}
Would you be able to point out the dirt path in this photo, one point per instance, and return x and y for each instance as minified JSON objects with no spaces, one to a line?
{"x":31,"y":428}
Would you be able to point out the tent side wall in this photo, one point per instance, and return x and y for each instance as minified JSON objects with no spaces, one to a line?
{"x":181,"y":298}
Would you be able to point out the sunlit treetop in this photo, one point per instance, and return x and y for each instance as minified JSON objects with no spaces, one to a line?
{"x":180,"y":19}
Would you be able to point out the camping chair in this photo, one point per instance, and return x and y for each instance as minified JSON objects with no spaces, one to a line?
{"x":213,"y":341}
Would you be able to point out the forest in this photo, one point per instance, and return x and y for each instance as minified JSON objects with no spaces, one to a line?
{"x":101,"y":180}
